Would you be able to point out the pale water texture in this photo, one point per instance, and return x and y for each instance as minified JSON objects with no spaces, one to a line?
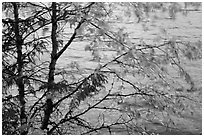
{"x":185,"y":28}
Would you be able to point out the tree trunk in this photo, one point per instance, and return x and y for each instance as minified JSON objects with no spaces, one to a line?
{"x":49,"y":100}
{"x":20,"y":83}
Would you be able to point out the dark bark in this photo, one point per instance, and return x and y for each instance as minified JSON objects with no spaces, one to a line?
{"x":48,"y":111}
{"x":19,"y":82}
{"x":49,"y":102}
{"x":54,"y":58}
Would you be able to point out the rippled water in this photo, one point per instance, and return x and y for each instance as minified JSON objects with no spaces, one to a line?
{"x":183,"y":27}
{"x":186,"y":28}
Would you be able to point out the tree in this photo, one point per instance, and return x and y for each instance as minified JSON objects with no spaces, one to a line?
{"x":52,"y":99}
